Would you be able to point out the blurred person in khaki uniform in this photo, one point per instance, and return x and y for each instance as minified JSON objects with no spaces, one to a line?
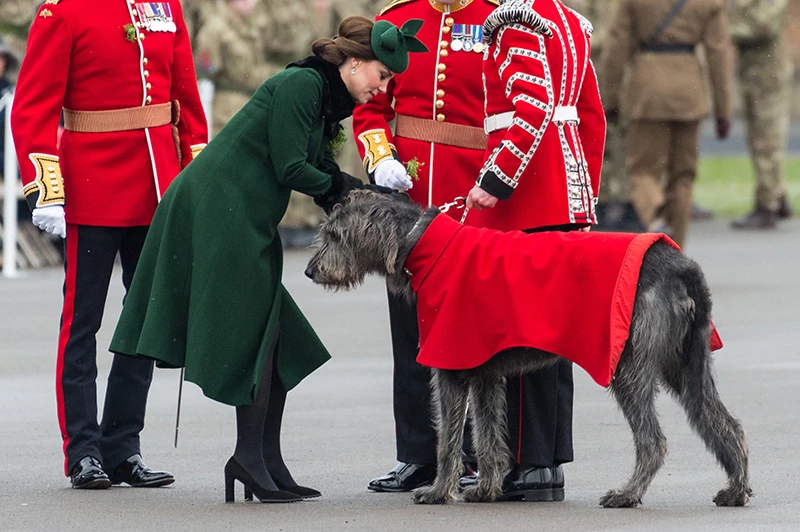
{"x":195,"y":13}
{"x":16,"y":17}
{"x":665,"y":99}
{"x":765,"y":77}
{"x":614,"y":208}
{"x":244,"y":42}
{"x":239,"y":46}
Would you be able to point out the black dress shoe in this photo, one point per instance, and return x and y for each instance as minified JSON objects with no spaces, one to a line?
{"x":532,"y":484}
{"x":757,"y":220}
{"x":134,"y":473}
{"x":404,"y":477}
{"x":88,"y":474}
{"x":699,"y":213}
{"x":618,"y":216}
{"x":558,"y":483}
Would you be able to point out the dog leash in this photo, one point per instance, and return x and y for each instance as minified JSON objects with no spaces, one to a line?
{"x":459,"y":202}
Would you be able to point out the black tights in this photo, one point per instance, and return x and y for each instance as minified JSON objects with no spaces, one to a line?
{"x":271,"y":440}
{"x":250,"y":421}
{"x":258,"y":430}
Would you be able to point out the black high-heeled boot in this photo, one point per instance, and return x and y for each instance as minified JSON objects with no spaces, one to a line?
{"x":271,"y":442}
{"x":247,"y":463}
{"x":234,"y":471}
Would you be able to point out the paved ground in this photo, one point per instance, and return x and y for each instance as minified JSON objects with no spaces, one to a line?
{"x":339,"y":430}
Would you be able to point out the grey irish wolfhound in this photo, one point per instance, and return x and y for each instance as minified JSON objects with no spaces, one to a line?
{"x":668,"y":346}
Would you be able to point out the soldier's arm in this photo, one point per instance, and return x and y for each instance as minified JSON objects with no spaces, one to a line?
{"x":192,"y":124}
{"x":372,"y":132}
{"x":592,"y":127}
{"x":718,"y":51}
{"x":528,"y":83}
{"x":292,"y":113}
{"x":616,"y":54}
{"x":39,"y":98}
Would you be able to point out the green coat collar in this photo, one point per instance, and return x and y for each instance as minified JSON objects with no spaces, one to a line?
{"x":337,"y":103}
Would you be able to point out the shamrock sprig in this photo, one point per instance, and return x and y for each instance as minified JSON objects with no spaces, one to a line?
{"x":130,"y":32}
{"x":412,"y":168}
{"x":336,"y":143}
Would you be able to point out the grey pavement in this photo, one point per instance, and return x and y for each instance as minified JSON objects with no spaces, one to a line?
{"x":338,"y":430}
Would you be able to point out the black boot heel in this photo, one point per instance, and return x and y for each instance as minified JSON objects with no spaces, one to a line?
{"x":234,"y":471}
{"x":228,"y":486}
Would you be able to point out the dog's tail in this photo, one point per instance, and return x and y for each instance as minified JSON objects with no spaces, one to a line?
{"x":721,"y":432}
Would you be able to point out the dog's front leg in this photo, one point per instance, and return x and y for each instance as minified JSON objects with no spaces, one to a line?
{"x":449,"y":397}
{"x":489,"y":432}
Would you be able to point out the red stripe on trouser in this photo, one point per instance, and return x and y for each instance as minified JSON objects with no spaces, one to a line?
{"x":67,"y":313}
{"x":519,"y":437}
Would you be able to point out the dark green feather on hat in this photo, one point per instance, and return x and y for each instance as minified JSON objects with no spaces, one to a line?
{"x":391,"y":45}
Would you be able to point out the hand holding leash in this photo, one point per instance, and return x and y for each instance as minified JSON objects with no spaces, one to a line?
{"x":480,"y":199}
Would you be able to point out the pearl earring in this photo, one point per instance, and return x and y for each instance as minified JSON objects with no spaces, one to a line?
{"x":353,"y":71}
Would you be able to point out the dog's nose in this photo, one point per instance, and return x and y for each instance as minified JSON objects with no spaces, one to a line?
{"x":310,"y":273}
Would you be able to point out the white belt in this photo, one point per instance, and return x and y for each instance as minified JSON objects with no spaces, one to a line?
{"x":566,"y":113}
{"x":562,"y":113}
{"x":501,"y":121}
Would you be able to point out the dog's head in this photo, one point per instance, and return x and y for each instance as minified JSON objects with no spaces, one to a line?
{"x":362,"y":235}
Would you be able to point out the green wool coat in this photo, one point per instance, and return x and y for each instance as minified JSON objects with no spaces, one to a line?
{"x":207,"y":293}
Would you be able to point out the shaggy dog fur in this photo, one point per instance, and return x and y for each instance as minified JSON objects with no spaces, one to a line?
{"x":668,"y":346}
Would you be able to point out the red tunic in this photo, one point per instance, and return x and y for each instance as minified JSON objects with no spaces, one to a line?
{"x":546,"y":165}
{"x":440,"y":88}
{"x":481,"y":291}
{"x":79,"y":58}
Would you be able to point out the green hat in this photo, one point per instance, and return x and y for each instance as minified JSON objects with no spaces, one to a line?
{"x":391,"y":45}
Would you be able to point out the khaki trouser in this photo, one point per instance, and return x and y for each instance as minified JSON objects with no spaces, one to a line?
{"x":662,"y":165}
{"x":765,"y":75}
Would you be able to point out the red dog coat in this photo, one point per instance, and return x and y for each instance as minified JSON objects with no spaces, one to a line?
{"x":481,"y":291}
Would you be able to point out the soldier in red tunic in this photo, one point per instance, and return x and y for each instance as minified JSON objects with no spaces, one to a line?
{"x":546,"y":136}
{"x":122,"y":74}
{"x":439,"y":113}
{"x":544,"y":118}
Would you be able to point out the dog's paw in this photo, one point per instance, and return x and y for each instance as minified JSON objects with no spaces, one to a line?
{"x":431,"y":495}
{"x":733,"y":497}
{"x":478,"y":493}
{"x":619,"y":499}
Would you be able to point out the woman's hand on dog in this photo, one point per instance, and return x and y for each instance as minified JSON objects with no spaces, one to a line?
{"x":480,"y":199}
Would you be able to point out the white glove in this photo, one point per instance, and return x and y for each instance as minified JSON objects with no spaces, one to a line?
{"x":391,"y":173}
{"x":51,"y":219}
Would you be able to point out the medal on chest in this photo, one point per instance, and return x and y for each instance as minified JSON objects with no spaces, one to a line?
{"x":156,"y":16}
{"x":467,"y":38}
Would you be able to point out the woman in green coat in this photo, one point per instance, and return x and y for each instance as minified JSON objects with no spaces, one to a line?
{"x":207,"y":293}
